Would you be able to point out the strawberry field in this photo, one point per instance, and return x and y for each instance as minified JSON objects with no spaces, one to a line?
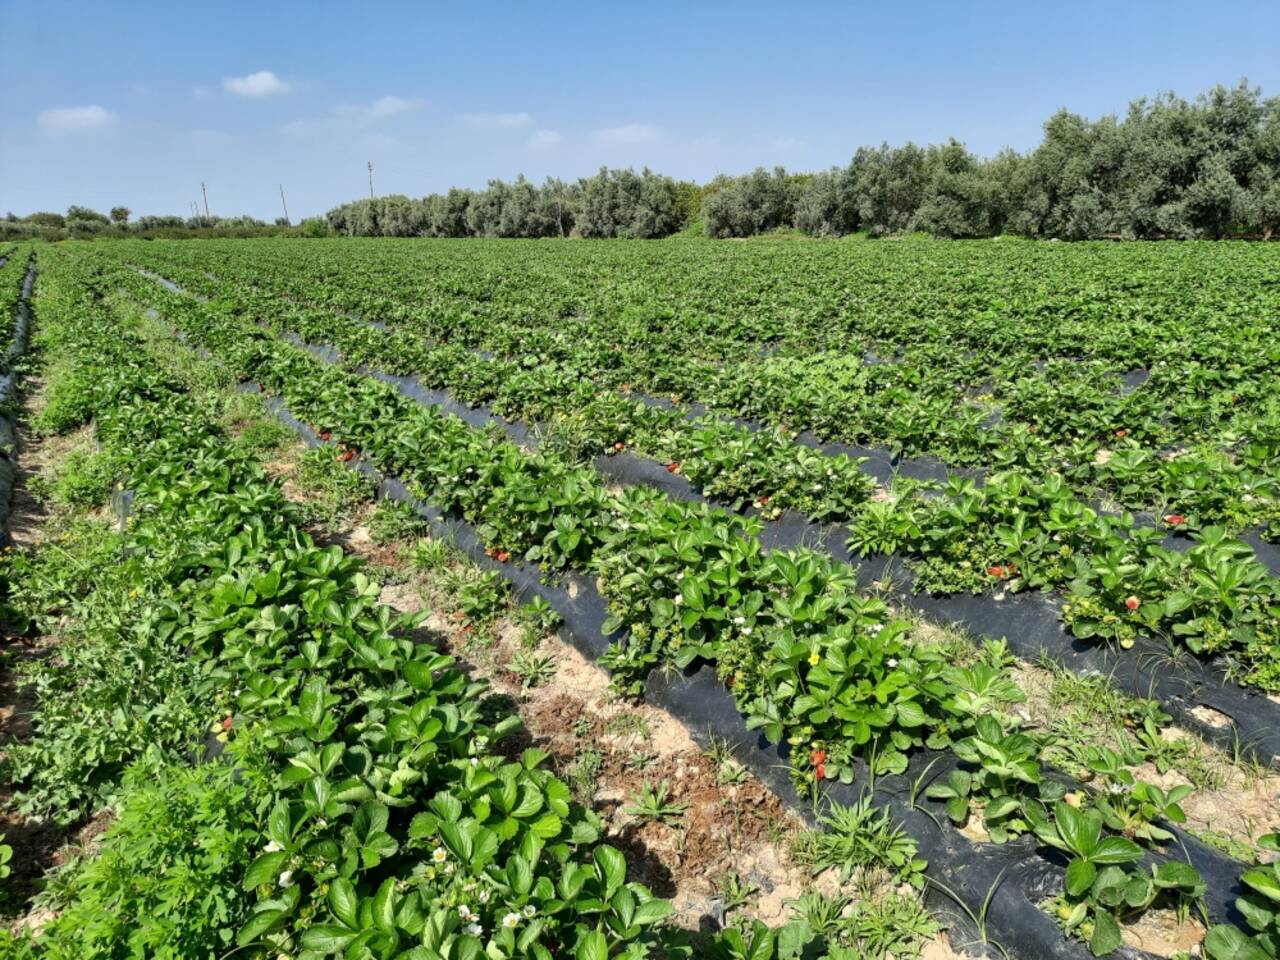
{"x":966,"y":553}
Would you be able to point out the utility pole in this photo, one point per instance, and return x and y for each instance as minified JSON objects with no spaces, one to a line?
{"x":287,"y":223}
{"x":206,"y":199}
{"x":370,"y":179}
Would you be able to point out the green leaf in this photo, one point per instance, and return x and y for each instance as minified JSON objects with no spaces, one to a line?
{"x":1175,"y":873}
{"x":613,"y":867}
{"x":327,"y":938}
{"x":762,"y":941}
{"x":418,"y":675}
{"x":1116,"y":850}
{"x":259,"y":923}
{"x":1001,"y":807}
{"x":1106,"y":935}
{"x":384,"y":906}
{"x":1225,"y":942}
{"x":910,"y":714}
{"x":592,"y":946}
{"x":343,"y":900}
{"x":1265,"y":881}
{"x":651,"y":911}
{"x":266,"y":869}
{"x":1080,"y":874}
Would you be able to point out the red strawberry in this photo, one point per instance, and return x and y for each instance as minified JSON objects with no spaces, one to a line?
{"x":348,"y":456}
{"x":996,"y":572}
{"x":503,"y":556}
{"x":1175,"y":519}
{"x":1133,"y":603}
{"x":1122,"y":433}
{"x":818,"y":757}
{"x":673,"y":467}
{"x":227,"y":722}
{"x":619,"y":446}
{"x":820,"y":771}
{"x":763,"y":501}
{"x":326,"y":436}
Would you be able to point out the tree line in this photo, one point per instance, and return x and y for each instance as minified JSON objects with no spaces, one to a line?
{"x":85,"y":223}
{"x":1169,"y":168}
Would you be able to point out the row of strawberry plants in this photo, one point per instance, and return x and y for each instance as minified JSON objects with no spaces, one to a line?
{"x":734,"y":464}
{"x":1122,"y":581}
{"x":809,"y":660}
{"x":1067,"y":417}
{"x":1214,"y":599}
{"x":374,"y":816}
{"x":12,"y":274}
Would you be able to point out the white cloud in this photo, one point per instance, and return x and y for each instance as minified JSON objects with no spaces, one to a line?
{"x":264,"y":83}
{"x":629,"y":133}
{"x":545,"y":140}
{"x":389,"y":106}
{"x":497,"y":121}
{"x":380,"y":109}
{"x":346,"y":118}
{"x":60,"y":120}
{"x":785,"y":143}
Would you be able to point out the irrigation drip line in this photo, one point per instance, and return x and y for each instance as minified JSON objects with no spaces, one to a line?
{"x":989,"y":893}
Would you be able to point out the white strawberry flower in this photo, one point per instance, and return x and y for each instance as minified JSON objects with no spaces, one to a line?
{"x":511,"y":921}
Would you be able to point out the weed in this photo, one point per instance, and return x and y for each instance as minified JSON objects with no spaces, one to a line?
{"x":533,"y":669}
{"x":654,"y":803}
{"x":629,"y":726}
{"x":860,"y":838}
{"x":735,"y":891}
{"x":728,"y":769}
{"x":395,"y":522}
{"x":582,"y":773}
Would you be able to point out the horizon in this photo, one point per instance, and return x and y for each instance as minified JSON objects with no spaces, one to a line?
{"x":137,"y":104}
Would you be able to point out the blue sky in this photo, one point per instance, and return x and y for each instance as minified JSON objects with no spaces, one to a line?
{"x":136,"y":103}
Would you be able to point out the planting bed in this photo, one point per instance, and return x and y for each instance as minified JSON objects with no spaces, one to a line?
{"x":733,"y":462}
{"x":730,"y":474}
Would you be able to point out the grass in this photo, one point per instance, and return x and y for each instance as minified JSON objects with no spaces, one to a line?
{"x":1088,"y":712}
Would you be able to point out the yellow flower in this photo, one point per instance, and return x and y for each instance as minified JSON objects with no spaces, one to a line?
{"x":814,"y":658}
